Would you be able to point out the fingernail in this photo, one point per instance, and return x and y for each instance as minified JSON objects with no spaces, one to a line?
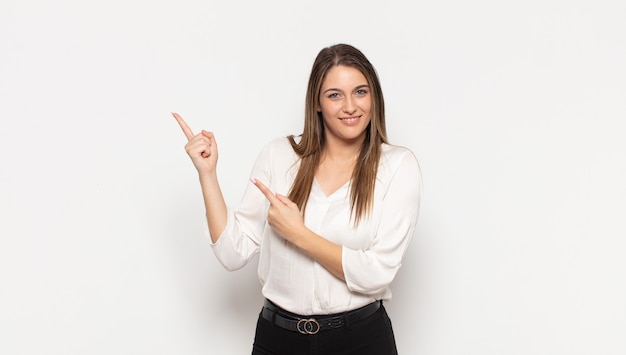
{"x":253,"y":180}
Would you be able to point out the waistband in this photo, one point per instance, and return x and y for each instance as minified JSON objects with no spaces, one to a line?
{"x":314,"y":324}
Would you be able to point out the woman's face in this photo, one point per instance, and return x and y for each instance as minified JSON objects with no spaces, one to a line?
{"x":345,"y":102}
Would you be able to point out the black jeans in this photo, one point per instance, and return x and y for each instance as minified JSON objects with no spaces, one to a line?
{"x":371,"y":336}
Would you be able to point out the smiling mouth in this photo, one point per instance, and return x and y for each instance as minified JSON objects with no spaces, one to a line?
{"x":350,"y":119}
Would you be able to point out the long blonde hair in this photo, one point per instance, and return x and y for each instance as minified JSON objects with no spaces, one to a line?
{"x":309,"y":147}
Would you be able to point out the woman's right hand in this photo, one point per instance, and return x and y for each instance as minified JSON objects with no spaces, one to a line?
{"x":202,"y":148}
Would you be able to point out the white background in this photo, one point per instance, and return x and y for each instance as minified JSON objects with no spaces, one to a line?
{"x":514,"y":109}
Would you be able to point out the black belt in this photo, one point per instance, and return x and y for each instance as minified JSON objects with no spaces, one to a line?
{"x":314,"y":324}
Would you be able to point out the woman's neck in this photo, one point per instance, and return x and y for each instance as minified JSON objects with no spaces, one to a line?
{"x":341,"y":151}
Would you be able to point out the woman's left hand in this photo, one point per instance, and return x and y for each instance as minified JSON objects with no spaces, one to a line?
{"x":286,"y":219}
{"x":283,"y":214}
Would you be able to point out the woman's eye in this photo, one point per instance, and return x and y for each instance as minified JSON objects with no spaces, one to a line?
{"x":361,"y":92}
{"x":334,"y":95}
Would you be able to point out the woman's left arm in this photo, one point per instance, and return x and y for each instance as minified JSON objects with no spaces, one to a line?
{"x":364,"y":271}
{"x":371,"y":270}
{"x":286,"y":220}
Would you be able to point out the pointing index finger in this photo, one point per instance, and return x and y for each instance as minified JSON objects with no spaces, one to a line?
{"x":269,"y":195}
{"x":188,"y":132}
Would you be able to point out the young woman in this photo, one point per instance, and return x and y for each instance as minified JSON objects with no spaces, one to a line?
{"x":331,"y":213}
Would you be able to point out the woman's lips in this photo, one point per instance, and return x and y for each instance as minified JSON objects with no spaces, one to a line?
{"x":350,"y":120}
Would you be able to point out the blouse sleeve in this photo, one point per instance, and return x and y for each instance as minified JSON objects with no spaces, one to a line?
{"x":241,"y":239}
{"x":370,"y":271}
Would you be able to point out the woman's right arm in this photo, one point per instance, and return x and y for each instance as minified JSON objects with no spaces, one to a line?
{"x":202,"y":149}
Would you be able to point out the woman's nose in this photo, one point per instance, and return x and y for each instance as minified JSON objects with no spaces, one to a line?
{"x":348,"y":105}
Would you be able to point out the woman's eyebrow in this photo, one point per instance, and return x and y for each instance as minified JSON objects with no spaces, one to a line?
{"x":331,"y":89}
{"x":337,"y":89}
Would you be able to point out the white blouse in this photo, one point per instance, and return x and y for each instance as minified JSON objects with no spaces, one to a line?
{"x":372,"y":252}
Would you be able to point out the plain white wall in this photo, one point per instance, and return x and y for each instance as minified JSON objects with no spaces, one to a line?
{"x":515,"y":110}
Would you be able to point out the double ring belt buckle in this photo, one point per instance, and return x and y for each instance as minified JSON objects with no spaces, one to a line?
{"x":308,"y":326}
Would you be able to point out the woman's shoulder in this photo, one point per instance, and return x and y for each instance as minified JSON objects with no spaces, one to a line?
{"x":390,"y":151}
{"x":278,"y":147}
{"x":280,"y":143}
{"x":396,"y":157}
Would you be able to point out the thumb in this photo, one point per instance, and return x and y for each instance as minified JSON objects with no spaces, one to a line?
{"x":285,"y":200}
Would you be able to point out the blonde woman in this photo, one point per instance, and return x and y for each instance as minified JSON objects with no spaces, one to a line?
{"x":330,"y":211}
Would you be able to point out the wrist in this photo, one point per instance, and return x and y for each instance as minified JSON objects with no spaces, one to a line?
{"x":207,"y":176}
{"x":303,"y":238}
